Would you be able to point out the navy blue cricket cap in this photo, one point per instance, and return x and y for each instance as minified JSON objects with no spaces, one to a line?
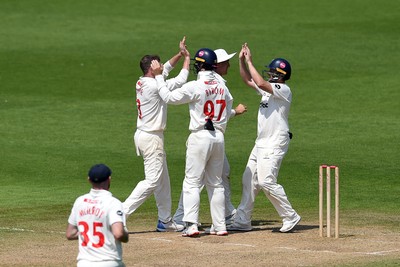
{"x":99,"y":173}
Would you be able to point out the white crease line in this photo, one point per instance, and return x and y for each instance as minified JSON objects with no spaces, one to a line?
{"x":308,"y":250}
{"x":193,"y":241}
{"x":379,"y":252}
{"x":161,"y":239}
{"x":240,"y":245}
{"x":16,"y":229}
{"x":12,"y":229}
{"x":335,"y":252}
{"x":150,"y":238}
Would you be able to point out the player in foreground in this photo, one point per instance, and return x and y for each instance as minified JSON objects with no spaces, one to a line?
{"x":209,"y":103}
{"x":149,"y":138}
{"x":98,"y":221}
{"x":221,"y":70}
{"x":271,"y":145}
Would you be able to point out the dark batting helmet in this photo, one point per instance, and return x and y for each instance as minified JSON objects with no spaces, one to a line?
{"x":279,"y":68}
{"x":206,"y":59}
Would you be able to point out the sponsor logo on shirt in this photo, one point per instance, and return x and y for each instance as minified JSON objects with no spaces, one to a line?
{"x":91,"y":201}
{"x":210,"y":82}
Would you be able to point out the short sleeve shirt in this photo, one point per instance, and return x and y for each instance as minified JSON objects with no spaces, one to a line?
{"x":93,"y":214}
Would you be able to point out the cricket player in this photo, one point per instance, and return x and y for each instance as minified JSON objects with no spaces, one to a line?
{"x":149,"y":138}
{"x":210,"y":103}
{"x":271,"y":145}
{"x":221,"y":70}
{"x":98,"y":221}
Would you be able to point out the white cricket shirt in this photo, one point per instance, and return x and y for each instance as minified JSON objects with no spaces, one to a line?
{"x":208,"y":97}
{"x":273,"y":114}
{"x":152,"y":111}
{"x":93,"y":214}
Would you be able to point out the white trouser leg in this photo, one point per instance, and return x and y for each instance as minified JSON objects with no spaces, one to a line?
{"x":178,"y":216}
{"x":151,"y":147}
{"x":162,"y":195}
{"x":269,"y":162}
{"x":229,"y":208}
{"x":213,"y":183}
{"x":196,"y":157}
{"x":204,"y":157}
{"x":250,"y":190}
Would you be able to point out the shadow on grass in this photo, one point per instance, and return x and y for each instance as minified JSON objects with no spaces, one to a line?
{"x":258,"y":225}
{"x":271,"y":225}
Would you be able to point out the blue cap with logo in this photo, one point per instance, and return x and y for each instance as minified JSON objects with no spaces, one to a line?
{"x":99,"y":173}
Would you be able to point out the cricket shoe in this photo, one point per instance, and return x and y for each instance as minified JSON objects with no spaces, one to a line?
{"x":288,"y":225}
{"x":230,"y":219}
{"x":170,"y":226}
{"x":211,"y":231}
{"x":239,"y":227}
{"x":191,"y":231}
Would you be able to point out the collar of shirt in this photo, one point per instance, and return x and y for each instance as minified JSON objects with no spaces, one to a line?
{"x":206,"y":75}
{"x":99,"y":192}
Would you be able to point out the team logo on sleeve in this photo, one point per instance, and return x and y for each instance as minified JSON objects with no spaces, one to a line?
{"x":119,"y":213}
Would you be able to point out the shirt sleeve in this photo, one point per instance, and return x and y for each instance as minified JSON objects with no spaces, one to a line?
{"x":179,"y":96}
{"x":229,"y":102}
{"x":167,"y":69}
{"x":72,"y":216}
{"x":258,"y":89}
{"x":232,"y":113}
{"x":281,"y":91}
{"x":178,"y":81}
{"x":116,"y":213}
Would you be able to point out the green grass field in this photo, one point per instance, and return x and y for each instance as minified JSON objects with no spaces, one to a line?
{"x":67,"y":100}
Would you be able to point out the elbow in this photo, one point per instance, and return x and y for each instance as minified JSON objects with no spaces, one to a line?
{"x":72,"y":232}
{"x":122,"y":237}
{"x":248,"y":82}
{"x":70,"y":236}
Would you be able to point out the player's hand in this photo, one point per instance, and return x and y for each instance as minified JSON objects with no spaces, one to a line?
{"x":240,"y":109}
{"x":156,"y":67}
{"x":241,"y":53}
{"x":183,"y":47}
{"x":247,"y":53}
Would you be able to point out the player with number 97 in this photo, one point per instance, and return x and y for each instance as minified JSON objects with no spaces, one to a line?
{"x":209,"y":102}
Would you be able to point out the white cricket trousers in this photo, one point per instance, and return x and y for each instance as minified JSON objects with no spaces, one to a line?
{"x":229,"y":208}
{"x":151,"y":147}
{"x":204,"y":163}
{"x":261,"y":174}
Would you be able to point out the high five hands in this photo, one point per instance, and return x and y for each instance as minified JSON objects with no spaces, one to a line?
{"x":245,"y":53}
{"x":183,"y":47}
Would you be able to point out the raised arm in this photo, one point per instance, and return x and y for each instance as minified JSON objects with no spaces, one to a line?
{"x":252,"y":71}
{"x":176,"y":97}
{"x":244,"y":72}
{"x":179,"y":55}
{"x":185,"y":53}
